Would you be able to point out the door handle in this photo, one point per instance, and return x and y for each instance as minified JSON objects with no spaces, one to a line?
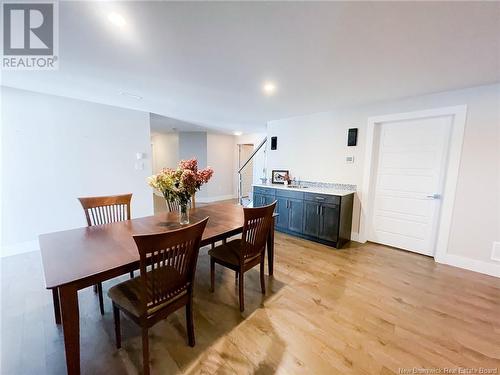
{"x":287,"y":203}
{"x":317,"y":210}
{"x":320,"y":198}
{"x":434,"y":196}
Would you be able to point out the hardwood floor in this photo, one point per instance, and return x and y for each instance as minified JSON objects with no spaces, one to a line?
{"x":368,"y":309}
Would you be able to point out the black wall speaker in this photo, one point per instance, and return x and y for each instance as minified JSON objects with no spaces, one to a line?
{"x":352,"y":137}
{"x":274,"y":143}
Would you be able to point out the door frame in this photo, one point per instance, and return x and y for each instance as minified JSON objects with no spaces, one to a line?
{"x":451,"y":170}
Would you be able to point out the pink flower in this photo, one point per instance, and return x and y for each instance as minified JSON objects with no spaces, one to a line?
{"x":188,"y":180}
{"x":181,"y":183}
{"x":204,"y":175}
{"x":191,"y":164}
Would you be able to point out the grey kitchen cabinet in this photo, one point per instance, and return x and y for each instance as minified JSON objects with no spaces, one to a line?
{"x":295,"y":215}
{"x":282,"y":211}
{"x":258,"y":200}
{"x":311,"y":218}
{"x":268,"y":199}
{"x":323,"y":218}
{"x":263,"y":196}
{"x":290,"y":210}
{"x":290,"y":214}
{"x":262,"y":200}
{"x":328,"y":227}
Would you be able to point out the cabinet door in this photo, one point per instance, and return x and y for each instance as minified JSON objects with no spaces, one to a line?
{"x":282,"y":210}
{"x":258,"y":200}
{"x":329,"y":222}
{"x":268,"y":199}
{"x":295,"y":215}
{"x":311,"y":218}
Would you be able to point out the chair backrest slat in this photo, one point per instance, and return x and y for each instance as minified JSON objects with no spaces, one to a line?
{"x":107,"y":209}
{"x":176,"y":207}
{"x":255,"y":230}
{"x":172,"y":258}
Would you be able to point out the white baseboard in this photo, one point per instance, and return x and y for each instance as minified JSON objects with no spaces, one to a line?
{"x":495,"y":251}
{"x":488,"y":268}
{"x":215,"y":199}
{"x":492,"y":269}
{"x":19,"y":248}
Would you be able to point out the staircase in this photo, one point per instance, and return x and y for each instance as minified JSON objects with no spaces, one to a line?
{"x":247,"y":201}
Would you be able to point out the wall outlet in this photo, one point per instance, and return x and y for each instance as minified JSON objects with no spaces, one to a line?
{"x":495,"y":252}
{"x":349,"y":159}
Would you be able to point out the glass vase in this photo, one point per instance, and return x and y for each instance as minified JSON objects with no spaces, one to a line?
{"x":183,"y":213}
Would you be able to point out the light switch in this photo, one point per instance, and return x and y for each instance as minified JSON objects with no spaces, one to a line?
{"x":349,"y":159}
{"x":139,"y":165}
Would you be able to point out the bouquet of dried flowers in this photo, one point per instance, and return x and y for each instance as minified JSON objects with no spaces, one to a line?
{"x":178,"y":185}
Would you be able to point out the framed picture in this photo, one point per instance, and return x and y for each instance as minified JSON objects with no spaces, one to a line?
{"x":279,"y":176}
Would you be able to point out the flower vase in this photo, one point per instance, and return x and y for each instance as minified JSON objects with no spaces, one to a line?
{"x":183,"y":213}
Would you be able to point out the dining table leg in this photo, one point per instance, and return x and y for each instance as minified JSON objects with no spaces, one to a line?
{"x":270,"y":249}
{"x":71,"y":327}
{"x":57,"y":306}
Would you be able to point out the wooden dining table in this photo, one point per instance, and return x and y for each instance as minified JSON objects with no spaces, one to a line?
{"x":79,"y":258}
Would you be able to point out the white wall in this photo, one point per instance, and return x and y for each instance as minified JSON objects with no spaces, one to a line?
{"x":314,"y":148}
{"x":56,"y":149}
{"x":165,"y":154}
{"x":220,"y":153}
{"x":165,"y":150}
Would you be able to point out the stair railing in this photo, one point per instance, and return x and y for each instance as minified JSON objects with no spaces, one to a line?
{"x":240,"y":193}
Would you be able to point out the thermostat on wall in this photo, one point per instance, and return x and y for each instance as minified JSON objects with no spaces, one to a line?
{"x":274,"y":143}
{"x":352,"y":137}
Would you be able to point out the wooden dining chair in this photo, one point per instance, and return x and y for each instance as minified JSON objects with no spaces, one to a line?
{"x":243,"y":254}
{"x":104,"y":210}
{"x":165,"y":288}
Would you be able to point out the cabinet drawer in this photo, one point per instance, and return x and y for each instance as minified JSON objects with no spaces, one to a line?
{"x":263,"y":190}
{"x":322,"y":198}
{"x":289,"y":194}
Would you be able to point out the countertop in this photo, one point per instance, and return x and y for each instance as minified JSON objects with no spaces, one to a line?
{"x":313,"y":190}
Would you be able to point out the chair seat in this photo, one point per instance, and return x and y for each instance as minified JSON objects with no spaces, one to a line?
{"x":127,"y":295}
{"x":227,"y":253}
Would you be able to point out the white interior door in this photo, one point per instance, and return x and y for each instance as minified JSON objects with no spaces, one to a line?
{"x":409,"y":182}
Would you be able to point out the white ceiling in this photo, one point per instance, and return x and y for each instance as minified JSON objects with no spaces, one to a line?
{"x":205,"y":62}
{"x":163,"y":124}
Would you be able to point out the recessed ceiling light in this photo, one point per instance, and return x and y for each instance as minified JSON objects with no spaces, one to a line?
{"x":269,"y":88}
{"x":130,"y":95}
{"x":238,"y":133}
{"x":116,"y":19}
